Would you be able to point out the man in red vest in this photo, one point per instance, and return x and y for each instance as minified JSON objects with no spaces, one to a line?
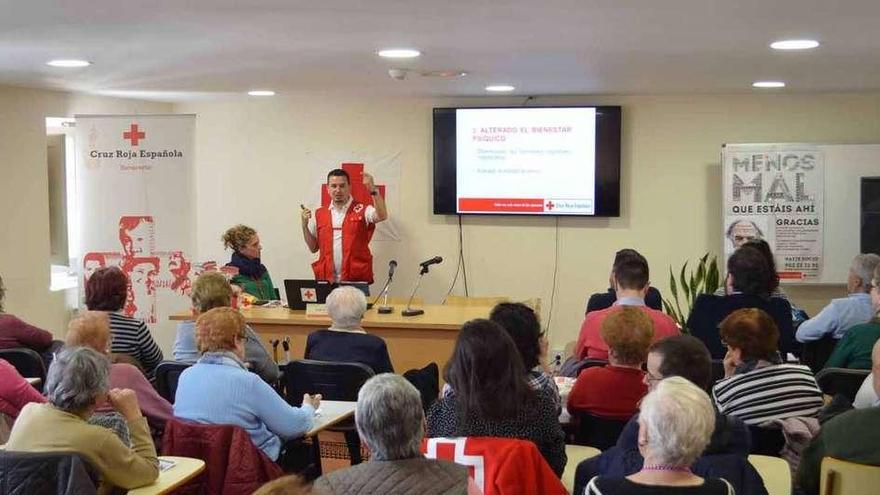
{"x":342,"y":231}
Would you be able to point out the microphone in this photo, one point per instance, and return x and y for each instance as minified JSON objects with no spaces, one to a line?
{"x":432,"y":261}
{"x":392,"y":265}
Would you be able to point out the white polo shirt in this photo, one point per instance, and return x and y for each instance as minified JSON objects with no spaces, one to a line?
{"x":338,"y":216}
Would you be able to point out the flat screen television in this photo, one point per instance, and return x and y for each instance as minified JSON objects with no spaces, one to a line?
{"x":527,"y":161}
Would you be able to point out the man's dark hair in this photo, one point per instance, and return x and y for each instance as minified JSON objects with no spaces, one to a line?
{"x":632,"y":272}
{"x":750,"y":271}
{"x":622,"y":255}
{"x":338,"y":172}
{"x":684,"y":356}
{"x":522,"y":325}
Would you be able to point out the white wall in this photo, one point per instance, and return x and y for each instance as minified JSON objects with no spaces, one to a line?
{"x":259,"y":159}
{"x":24,"y":206}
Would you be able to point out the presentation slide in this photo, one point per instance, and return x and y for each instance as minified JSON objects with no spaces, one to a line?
{"x":526,"y":160}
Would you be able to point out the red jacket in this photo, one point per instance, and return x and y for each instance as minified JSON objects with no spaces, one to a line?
{"x":498,"y":466}
{"x":357,"y":262}
{"x":610,"y":391}
{"x":590,"y":343}
{"x":233,"y":464}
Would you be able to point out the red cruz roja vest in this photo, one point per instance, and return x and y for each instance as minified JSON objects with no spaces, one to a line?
{"x":357,"y":261}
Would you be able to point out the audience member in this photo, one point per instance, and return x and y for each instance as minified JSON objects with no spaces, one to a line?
{"x":750,"y":281}
{"x":614,"y":391}
{"x":15,"y":391}
{"x":841,"y":314}
{"x":218,"y":389}
{"x":346,"y":340}
{"x":211,"y":290}
{"x":16,"y":333}
{"x":854,"y":349}
{"x":106,"y":291}
{"x":602,"y":300}
{"x":92,"y":329}
{"x":396,"y":464}
{"x":757,"y":387}
{"x":630,"y":281}
{"x":252,"y":275}
{"x":728,"y":449}
{"x":852,"y":436}
{"x":491,"y":396}
{"x":78,"y":381}
{"x":675,"y":425}
{"x":521,"y":323}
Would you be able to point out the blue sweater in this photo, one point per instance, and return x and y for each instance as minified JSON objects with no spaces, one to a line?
{"x":223,"y":394}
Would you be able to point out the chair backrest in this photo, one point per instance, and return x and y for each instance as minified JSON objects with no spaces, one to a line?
{"x":45,"y":472}
{"x":334,"y":381}
{"x":766,"y":441}
{"x":498,"y":466}
{"x":596,"y":431}
{"x":588,"y":363}
{"x":775,"y":472}
{"x":834,"y":381}
{"x":167,"y":375}
{"x":27,"y":361}
{"x":848,"y":478}
{"x":575,"y":454}
{"x":233,"y":464}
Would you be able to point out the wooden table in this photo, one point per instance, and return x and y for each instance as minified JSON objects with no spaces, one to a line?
{"x":331,"y":412}
{"x":412,"y":341}
{"x":184,"y":469}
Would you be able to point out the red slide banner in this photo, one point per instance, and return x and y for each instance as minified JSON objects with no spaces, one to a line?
{"x":512,"y":205}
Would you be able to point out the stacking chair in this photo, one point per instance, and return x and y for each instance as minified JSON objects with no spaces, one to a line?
{"x":167,"y":375}
{"x":27,"y":361}
{"x":848,"y":478}
{"x":775,"y":472}
{"x":588,"y":363}
{"x":334,"y":381}
{"x":843,"y":381}
{"x":575,"y":454}
{"x":596,"y":431}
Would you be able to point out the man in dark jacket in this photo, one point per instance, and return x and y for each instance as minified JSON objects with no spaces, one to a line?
{"x":727,"y":454}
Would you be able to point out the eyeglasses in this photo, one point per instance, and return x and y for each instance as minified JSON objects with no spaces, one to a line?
{"x":651,"y":378}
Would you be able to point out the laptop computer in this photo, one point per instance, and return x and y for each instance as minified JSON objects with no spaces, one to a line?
{"x":301,"y":292}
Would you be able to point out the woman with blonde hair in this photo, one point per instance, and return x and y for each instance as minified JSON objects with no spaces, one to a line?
{"x":219,"y":389}
{"x":675,"y":426}
{"x":252,"y":276}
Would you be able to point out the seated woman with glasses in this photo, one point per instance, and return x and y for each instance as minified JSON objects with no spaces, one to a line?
{"x":757,"y":386}
{"x":219,"y":389}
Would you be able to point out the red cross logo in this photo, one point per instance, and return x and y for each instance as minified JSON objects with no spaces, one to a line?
{"x":549,"y":205}
{"x":309,"y":295}
{"x":134,"y":135}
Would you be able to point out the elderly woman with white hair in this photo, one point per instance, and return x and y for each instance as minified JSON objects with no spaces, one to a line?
{"x":396,"y":464}
{"x":78,"y":381}
{"x":675,"y":426}
{"x":346,"y":340}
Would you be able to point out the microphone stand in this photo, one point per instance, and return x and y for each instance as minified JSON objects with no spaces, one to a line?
{"x":415,"y":312}
{"x":385,"y":309}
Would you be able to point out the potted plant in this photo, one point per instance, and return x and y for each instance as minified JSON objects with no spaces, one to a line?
{"x":704,"y":279}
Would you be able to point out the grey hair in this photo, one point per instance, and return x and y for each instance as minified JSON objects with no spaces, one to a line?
{"x":863,"y":266}
{"x":679,"y":419}
{"x":346,"y":306}
{"x":390,"y":418}
{"x":76,"y":378}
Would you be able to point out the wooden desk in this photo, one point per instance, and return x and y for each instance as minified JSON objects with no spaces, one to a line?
{"x":185,"y":469}
{"x":332,"y":412}
{"x":412,"y":342}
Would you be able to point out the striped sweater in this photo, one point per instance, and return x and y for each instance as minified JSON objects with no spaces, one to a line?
{"x":774,"y":392}
{"x":132,"y":337}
